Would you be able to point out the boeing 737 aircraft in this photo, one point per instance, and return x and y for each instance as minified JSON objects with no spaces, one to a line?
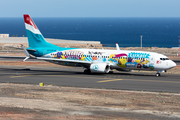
{"x":93,"y":60}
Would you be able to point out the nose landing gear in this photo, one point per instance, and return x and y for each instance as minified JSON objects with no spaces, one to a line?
{"x":158,"y":73}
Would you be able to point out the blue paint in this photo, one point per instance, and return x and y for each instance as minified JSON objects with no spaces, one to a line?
{"x":138,"y":55}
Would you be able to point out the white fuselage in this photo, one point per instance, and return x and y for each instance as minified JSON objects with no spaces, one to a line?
{"x":117,"y":59}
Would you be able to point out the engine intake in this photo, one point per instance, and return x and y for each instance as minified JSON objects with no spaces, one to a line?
{"x":99,"y":68}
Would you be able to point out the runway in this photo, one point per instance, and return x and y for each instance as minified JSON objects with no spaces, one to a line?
{"x":76,"y":78}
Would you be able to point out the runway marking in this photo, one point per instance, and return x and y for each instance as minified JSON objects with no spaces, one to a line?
{"x":138,"y":80}
{"x":52,"y":75}
{"x":109,"y":80}
{"x":98,"y":78}
{"x":20,"y":76}
{"x":73,"y":76}
{"x":154,"y":81}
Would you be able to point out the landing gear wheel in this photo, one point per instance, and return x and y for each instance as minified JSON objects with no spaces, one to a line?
{"x":87,"y":71}
{"x":158,"y":74}
{"x":110,"y":72}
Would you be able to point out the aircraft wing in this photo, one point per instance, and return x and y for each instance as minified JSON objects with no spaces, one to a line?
{"x":64,"y":60}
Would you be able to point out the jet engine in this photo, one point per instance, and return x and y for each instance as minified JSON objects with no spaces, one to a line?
{"x":99,"y":68}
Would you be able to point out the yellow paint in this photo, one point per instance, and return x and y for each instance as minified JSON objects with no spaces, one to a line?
{"x":145,"y":62}
{"x":111,"y":56}
{"x":20,"y":76}
{"x":123,"y":61}
{"x":109,"y":80}
{"x":83,"y":58}
{"x":154,"y":81}
{"x":138,"y":61}
{"x":62,"y":56}
{"x":41,"y":84}
{"x":138,"y":80}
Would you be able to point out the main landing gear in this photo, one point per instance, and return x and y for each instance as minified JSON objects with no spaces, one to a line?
{"x":87,"y":71}
{"x":110,"y":72}
{"x":158,"y":74}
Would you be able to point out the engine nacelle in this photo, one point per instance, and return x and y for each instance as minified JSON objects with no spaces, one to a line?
{"x":99,"y":68}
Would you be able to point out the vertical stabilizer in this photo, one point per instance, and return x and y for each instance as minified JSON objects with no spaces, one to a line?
{"x":35,"y":38}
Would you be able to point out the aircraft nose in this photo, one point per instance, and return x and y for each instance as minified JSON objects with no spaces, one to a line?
{"x":172,"y":64}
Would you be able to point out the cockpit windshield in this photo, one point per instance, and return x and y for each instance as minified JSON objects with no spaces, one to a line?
{"x":164,"y":58}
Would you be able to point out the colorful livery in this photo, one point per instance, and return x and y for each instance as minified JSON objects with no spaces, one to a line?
{"x":94,"y":60}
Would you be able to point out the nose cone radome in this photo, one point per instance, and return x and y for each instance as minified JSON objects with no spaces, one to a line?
{"x":172,"y":64}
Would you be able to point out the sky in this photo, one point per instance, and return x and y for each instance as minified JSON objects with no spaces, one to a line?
{"x":90,"y":8}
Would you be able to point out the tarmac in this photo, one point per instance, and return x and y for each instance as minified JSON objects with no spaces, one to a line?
{"x":75,"y":77}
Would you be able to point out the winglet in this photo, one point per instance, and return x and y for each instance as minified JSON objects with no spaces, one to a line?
{"x":117,"y":46}
{"x":26,"y":52}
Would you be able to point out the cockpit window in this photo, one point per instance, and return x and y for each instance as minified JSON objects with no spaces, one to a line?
{"x":164,"y":58}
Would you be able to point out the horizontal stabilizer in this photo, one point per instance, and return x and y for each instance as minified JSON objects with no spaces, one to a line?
{"x":26,"y":52}
{"x":33,"y":50}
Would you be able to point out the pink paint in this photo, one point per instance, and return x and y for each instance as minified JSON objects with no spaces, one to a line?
{"x":120,"y":55}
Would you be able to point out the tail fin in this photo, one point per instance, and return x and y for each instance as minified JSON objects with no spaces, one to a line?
{"x":35,"y":38}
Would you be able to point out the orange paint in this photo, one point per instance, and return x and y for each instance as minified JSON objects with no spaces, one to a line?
{"x":94,"y":58}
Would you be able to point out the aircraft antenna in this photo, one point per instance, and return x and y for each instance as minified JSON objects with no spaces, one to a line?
{"x":141,"y":40}
{"x":178,"y":54}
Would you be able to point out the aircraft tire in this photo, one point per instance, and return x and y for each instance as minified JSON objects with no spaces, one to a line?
{"x":87,"y":71}
{"x":110,"y":72}
{"x":158,"y":74}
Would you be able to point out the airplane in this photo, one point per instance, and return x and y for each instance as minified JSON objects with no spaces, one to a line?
{"x":93,"y":60}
